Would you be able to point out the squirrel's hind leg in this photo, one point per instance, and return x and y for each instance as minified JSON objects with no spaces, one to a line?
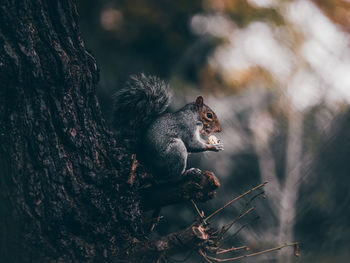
{"x":174,"y":165}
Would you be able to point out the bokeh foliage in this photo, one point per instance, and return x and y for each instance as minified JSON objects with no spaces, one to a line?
{"x":159,"y":37}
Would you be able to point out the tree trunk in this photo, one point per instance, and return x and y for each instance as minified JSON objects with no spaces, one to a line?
{"x":64,"y":182}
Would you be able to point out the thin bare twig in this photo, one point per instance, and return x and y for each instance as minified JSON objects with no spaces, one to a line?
{"x":201,"y":214}
{"x":255,"y":196}
{"x":204,"y":256}
{"x":222,"y":251}
{"x":250,"y":255}
{"x":234,"y":200}
{"x":227,"y":227}
{"x":239,"y":230}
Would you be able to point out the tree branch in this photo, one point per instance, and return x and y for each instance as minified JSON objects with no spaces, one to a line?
{"x":194,"y":236}
{"x":196,"y":185}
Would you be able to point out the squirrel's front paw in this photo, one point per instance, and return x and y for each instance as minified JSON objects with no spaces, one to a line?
{"x":216,"y":147}
{"x":219,"y":146}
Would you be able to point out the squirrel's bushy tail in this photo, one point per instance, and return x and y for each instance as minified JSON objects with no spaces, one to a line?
{"x":136,"y":105}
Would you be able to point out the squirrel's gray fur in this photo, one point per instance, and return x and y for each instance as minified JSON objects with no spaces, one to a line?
{"x":162,"y":141}
{"x":136,"y":105}
{"x":176,"y":135}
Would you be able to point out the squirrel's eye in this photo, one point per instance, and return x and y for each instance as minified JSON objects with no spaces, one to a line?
{"x":209,"y":115}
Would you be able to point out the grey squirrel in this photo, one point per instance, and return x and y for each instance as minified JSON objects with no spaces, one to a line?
{"x":162,"y":140}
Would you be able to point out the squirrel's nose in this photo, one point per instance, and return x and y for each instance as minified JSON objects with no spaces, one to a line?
{"x":218,"y":129}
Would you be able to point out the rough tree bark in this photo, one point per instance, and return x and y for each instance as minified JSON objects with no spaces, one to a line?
{"x":64,"y":185}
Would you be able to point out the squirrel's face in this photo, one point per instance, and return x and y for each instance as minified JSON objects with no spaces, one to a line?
{"x":208,"y":117}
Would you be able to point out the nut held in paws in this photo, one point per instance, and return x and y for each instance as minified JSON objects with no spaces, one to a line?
{"x":213,"y":140}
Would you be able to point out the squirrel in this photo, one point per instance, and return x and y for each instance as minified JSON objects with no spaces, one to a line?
{"x":162,"y":140}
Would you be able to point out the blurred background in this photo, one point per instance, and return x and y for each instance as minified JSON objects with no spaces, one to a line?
{"x":277,"y":73}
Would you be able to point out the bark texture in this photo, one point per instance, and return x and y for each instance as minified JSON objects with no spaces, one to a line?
{"x":60,"y":166}
{"x":63,"y":177}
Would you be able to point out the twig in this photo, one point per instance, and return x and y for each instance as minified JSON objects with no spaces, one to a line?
{"x":239,"y":230}
{"x":234,"y":200}
{"x":251,"y":255}
{"x":226,"y":227}
{"x":222,"y":251}
{"x":255,"y":196}
{"x":201,"y":214}
{"x":204,"y":256}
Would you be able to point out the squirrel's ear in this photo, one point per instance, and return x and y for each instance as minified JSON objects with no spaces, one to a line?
{"x":199,"y":102}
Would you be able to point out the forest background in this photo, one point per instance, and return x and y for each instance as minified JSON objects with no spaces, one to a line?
{"x":278,"y":75}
